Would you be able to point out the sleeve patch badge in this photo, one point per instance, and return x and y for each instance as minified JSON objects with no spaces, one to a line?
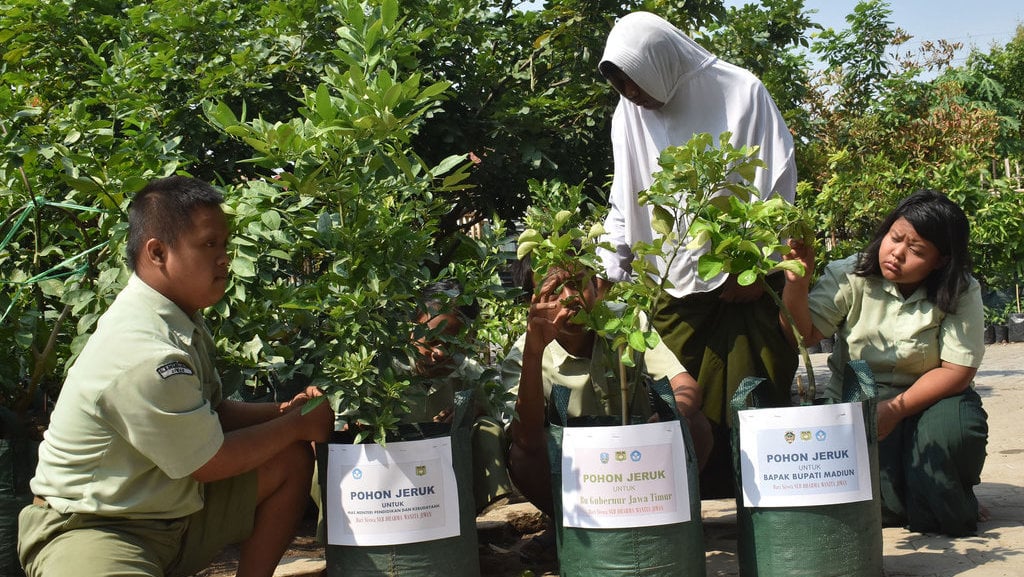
{"x":174,"y":368}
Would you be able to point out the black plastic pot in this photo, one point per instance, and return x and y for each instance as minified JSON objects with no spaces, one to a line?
{"x":17,"y":466}
{"x":1015,"y":327}
{"x":990,"y":334}
{"x":1002,"y":333}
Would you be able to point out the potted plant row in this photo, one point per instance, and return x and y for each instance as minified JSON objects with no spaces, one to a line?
{"x":744,"y":236}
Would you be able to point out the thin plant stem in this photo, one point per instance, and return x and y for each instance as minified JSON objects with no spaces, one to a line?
{"x":623,"y":386}
{"x":811,"y":386}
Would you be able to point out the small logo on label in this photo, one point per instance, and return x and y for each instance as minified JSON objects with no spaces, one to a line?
{"x":421,"y":470}
{"x":174,"y":368}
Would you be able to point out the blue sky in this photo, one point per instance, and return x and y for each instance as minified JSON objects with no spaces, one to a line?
{"x":976,"y":23}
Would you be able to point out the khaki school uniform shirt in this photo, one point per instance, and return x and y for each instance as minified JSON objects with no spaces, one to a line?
{"x":135,"y":417}
{"x":899,"y":338}
{"x":428,"y":397}
{"x":593,"y":382}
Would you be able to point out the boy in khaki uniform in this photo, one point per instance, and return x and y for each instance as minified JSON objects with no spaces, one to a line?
{"x":146,"y":469}
{"x":556,"y":351}
{"x":446,"y":370}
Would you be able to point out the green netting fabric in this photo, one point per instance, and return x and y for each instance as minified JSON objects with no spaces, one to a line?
{"x":17,"y":465}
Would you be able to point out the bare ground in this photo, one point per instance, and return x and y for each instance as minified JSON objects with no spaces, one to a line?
{"x":514,"y":542}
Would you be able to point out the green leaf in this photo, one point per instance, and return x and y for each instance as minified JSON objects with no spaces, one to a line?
{"x":434,"y":90}
{"x":272,"y":219}
{"x":324,"y":104}
{"x":243,"y":267}
{"x":637,"y":341}
{"x":749,"y":247}
{"x":389,"y":12}
{"x":652,"y":339}
{"x":700,"y":239}
{"x":708,"y":267}
{"x":561,"y":218}
{"x":221,"y":114}
{"x":525,"y":248}
{"x":626,"y":358}
{"x":793,"y":266}
{"x":448,"y":164}
{"x":530,"y":235}
{"x":662,"y":221}
{"x":747,"y":278}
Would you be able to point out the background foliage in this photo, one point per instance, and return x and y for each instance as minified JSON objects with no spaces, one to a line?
{"x":359,"y":143}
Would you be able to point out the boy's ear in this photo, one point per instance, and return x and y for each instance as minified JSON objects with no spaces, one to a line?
{"x":154,"y":252}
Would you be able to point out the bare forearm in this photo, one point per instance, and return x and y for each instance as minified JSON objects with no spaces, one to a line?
{"x":249,"y":447}
{"x":687,"y":394}
{"x":932,"y":387}
{"x":527,"y":430}
{"x":237,"y":414}
{"x":794,"y":298}
{"x":246,"y":448}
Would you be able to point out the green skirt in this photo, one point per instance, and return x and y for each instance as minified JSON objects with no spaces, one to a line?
{"x":930,"y":464}
{"x":722,"y":343}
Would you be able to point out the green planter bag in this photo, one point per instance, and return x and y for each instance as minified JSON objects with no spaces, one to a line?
{"x":17,"y":465}
{"x":451,"y":557}
{"x":837,"y":540}
{"x":654,"y":551}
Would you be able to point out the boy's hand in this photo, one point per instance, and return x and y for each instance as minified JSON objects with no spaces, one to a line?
{"x":318,"y":424}
{"x":301,"y":399}
{"x":548,"y":313}
{"x":445,"y":416}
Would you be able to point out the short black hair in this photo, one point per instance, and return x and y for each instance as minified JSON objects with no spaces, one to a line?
{"x":439,"y":296}
{"x":163,"y":210}
{"x":941,"y":222}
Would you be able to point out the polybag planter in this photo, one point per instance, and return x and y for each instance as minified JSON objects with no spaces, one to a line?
{"x":423,"y":493}
{"x":630,"y":551}
{"x":818,"y":539}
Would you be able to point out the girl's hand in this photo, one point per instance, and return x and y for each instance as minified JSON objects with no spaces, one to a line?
{"x":803,"y":252}
{"x":889,"y":415}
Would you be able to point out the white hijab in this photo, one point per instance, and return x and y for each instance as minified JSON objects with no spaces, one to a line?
{"x":700,"y":94}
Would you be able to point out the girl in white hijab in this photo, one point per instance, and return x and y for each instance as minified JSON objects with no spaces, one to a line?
{"x":671,"y":90}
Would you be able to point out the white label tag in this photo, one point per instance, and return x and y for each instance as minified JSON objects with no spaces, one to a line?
{"x":404,"y":493}
{"x":801,"y":456}
{"x":617,"y":477}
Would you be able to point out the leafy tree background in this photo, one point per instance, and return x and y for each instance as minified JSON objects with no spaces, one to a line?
{"x":359,"y":143}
